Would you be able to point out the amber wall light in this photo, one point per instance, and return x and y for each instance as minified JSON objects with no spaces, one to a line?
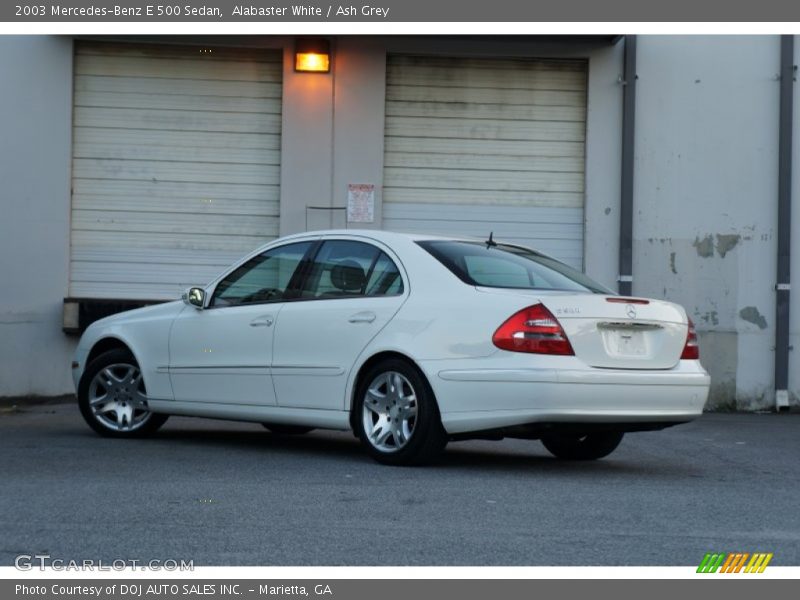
{"x":312,"y":55}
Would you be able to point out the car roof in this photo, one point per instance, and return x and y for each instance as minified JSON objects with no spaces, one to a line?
{"x":388,"y":237}
{"x":381,"y":235}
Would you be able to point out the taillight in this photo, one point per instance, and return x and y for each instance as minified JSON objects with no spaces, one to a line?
{"x":533,"y":329}
{"x":691,"y":351}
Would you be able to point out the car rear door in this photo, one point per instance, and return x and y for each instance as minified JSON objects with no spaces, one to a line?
{"x":351,"y":291}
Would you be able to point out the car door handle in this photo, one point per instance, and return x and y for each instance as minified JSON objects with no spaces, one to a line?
{"x":362,"y":317}
{"x":264,"y":321}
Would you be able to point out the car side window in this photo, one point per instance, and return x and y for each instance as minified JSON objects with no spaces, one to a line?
{"x":385,"y":279}
{"x":264,"y":278}
{"x":344,"y":268}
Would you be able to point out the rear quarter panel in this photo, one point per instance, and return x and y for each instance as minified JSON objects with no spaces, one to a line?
{"x":449,"y":323}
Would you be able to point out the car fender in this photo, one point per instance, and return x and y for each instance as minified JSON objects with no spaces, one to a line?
{"x":145,"y":332}
{"x":91,"y":338}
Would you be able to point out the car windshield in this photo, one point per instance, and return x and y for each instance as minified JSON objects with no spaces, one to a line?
{"x":507,"y":266}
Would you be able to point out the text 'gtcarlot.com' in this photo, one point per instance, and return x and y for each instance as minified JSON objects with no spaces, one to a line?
{"x":28,"y":562}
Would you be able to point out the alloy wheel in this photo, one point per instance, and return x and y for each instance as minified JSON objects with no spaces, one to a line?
{"x":117,"y":398}
{"x":389,"y":412}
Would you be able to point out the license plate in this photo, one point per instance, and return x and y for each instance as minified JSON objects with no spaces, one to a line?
{"x":625,"y":342}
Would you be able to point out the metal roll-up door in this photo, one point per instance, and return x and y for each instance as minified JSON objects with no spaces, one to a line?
{"x":474,"y":145}
{"x":176,"y":163}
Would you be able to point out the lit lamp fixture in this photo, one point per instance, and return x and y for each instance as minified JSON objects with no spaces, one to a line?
{"x":312,"y":55}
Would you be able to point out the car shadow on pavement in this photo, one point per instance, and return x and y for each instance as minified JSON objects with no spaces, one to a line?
{"x":460,"y":457}
{"x":465,"y":456}
{"x":321,"y":444}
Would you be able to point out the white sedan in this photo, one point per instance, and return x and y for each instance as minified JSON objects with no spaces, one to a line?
{"x":407,"y":340}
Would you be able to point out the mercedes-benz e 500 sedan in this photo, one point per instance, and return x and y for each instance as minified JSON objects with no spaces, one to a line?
{"x":407,"y":340}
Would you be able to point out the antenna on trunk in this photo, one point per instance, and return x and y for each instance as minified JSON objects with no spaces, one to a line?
{"x":490,"y":243}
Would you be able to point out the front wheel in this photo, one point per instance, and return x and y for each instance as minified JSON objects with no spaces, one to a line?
{"x":112,"y":397}
{"x":590,"y":446}
{"x":396,"y":416}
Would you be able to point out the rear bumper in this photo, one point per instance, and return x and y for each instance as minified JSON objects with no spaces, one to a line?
{"x":484,"y":399}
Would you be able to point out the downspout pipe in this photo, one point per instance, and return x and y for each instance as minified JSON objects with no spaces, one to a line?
{"x":625,"y":281}
{"x":783,"y":288}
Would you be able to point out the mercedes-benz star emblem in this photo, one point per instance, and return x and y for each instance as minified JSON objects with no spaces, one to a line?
{"x":630,"y":310}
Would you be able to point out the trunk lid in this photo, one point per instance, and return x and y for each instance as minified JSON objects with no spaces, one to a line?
{"x":614,"y":332}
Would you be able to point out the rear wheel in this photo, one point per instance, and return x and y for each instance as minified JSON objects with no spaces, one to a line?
{"x":282,"y":429}
{"x":396,"y":416}
{"x":590,"y":446}
{"x":112,"y":397}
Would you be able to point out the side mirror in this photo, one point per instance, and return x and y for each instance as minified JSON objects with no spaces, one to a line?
{"x":195,"y":296}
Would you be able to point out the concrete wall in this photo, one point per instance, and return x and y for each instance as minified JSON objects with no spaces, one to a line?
{"x":36,"y":109}
{"x":603,"y":165}
{"x":352,"y":128}
{"x":706,"y":199}
{"x":333,"y":127}
{"x":306,"y":146}
{"x":794,"y":326}
{"x":705,"y":184}
{"x":358,"y":122}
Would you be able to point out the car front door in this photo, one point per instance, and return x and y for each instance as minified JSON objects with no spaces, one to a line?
{"x":351,"y":291}
{"x":222,"y":353}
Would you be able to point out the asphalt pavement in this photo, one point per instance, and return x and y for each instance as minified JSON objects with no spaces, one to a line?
{"x":222,"y":493}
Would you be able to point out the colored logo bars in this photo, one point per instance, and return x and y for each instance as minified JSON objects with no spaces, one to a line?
{"x":734,"y":562}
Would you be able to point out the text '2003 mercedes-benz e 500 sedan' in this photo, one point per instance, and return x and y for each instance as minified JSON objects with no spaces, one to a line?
{"x":407,"y":340}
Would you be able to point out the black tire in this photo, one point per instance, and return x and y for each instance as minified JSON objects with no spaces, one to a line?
{"x":427,"y":439}
{"x":589,"y":446}
{"x":150,"y":422}
{"x":282,"y":429}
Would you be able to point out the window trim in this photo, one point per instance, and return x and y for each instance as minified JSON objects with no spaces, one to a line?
{"x":310,"y":262}
{"x":316,"y":243}
{"x":298,"y":276}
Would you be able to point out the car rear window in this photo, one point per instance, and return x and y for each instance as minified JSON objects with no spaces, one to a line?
{"x":508,"y":266}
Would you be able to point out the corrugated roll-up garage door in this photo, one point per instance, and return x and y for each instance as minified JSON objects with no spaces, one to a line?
{"x":476,"y":145}
{"x":176,"y":162}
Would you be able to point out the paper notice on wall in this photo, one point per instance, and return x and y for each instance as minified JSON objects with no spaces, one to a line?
{"x":360,"y":203}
